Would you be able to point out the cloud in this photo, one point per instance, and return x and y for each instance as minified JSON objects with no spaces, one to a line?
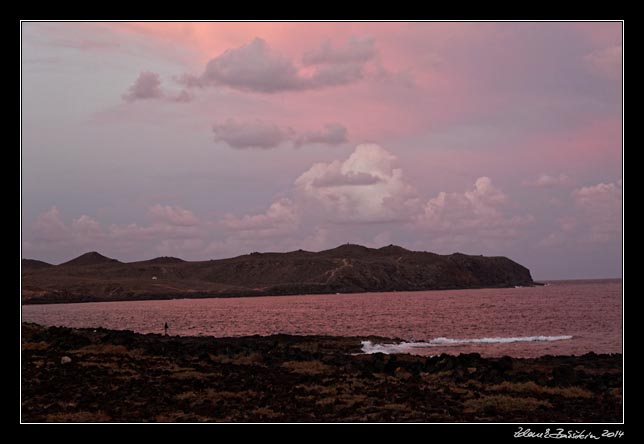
{"x":545,"y":181}
{"x":86,"y":227}
{"x":280,"y":219}
{"x":332,"y":134}
{"x":595,"y":217}
{"x":250,"y":134}
{"x":49,"y":227}
{"x":182,"y":96}
{"x":367,"y":190}
{"x":475,"y":213}
{"x":148,"y":86}
{"x":252,"y":67}
{"x":174,"y":215}
{"x":256,"y":67}
{"x":358,"y":50}
{"x":606,"y":62}
{"x":259,"y":134}
{"x":366,"y":187}
{"x":346,"y":200}
{"x":601,"y":211}
{"x":173,"y":226}
{"x":333,"y":177}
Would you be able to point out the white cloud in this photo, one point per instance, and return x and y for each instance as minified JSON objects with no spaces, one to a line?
{"x":366,"y":187}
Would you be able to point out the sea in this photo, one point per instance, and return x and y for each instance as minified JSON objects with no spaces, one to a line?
{"x":559,"y":318}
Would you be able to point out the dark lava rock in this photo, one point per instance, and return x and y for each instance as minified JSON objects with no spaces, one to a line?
{"x":298,"y":379}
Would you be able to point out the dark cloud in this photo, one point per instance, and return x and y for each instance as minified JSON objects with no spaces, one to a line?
{"x":257,"y":67}
{"x":358,"y":50}
{"x":250,"y":134}
{"x":265,"y":135}
{"x":254,"y":67}
{"x":332,"y":134}
{"x":146,"y":86}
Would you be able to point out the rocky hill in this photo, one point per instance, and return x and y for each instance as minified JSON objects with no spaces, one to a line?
{"x":345,"y":269}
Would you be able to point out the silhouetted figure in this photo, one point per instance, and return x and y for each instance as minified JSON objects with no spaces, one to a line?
{"x":165,"y":329}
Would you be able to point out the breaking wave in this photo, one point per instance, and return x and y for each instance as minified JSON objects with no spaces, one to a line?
{"x":405,"y":347}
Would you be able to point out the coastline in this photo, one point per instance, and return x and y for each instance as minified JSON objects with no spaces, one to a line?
{"x":52,"y":298}
{"x":87,"y":375}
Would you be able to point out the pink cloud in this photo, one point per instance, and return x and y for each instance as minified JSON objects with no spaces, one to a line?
{"x":280,"y":219}
{"x":49,"y":227}
{"x":86,"y":227}
{"x":475,"y":213}
{"x":595,"y":217}
{"x":174,"y":215}
{"x":601,"y":208}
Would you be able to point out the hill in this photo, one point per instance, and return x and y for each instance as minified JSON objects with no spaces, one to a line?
{"x":91,"y":258}
{"x":345,"y":269}
{"x":33,"y":264}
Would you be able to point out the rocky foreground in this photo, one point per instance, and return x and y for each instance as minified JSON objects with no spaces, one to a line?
{"x":81,"y":375}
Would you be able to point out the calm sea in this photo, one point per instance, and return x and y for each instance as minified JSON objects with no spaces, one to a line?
{"x":564,"y":317}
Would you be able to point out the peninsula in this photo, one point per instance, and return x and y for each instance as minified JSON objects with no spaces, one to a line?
{"x":346,"y":269}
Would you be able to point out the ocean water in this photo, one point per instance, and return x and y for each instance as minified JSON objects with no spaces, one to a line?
{"x":564,"y":317}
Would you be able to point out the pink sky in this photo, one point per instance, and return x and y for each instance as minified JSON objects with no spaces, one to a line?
{"x":207,"y":140}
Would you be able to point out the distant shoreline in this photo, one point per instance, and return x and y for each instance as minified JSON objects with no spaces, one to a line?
{"x":244,"y":295}
{"x":169,"y":297}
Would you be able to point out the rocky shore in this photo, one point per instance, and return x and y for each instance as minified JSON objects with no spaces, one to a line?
{"x":86,"y":375}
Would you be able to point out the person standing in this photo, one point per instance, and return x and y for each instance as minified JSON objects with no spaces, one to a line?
{"x":165,"y":329}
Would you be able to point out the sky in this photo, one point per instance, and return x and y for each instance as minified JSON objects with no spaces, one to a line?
{"x":216,"y":139}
